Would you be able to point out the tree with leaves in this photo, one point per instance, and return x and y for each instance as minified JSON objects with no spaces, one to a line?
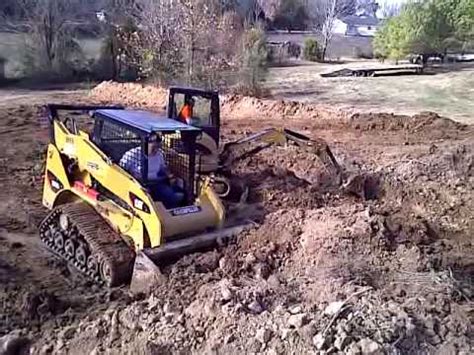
{"x":426,"y":28}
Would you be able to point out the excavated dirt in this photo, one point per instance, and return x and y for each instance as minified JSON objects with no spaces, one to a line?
{"x":324,"y":270}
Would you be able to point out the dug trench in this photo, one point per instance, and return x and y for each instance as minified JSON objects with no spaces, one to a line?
{"x":387,"y":267}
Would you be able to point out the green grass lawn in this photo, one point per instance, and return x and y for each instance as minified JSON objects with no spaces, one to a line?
{"x":450,"y":94}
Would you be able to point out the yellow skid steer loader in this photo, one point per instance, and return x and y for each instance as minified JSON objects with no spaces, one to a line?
{"x":107,"y":200}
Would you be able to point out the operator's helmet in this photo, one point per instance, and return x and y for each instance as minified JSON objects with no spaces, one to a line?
{"x":190,"y":101}
{"x":155,"y":138}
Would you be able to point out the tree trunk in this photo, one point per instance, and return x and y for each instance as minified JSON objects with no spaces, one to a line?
{"x":325,"y":46}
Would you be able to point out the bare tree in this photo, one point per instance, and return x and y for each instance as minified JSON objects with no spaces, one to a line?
{"x":188,"y":39}
{"x":330,"y":15}
{"x":324,"y":14}
{"x":367,"y":7}
{"x":269,"y":7}
{"x":198,"y":22}
{"x":390,"y":9}
{"x":153,"y":44}
{"x":49,"y":39}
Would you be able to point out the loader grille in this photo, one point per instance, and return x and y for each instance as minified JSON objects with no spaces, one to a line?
{"x":123,"y":146}
{"x":179,"y":151}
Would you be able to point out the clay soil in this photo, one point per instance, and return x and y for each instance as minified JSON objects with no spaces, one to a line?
{"x":386,"y":268}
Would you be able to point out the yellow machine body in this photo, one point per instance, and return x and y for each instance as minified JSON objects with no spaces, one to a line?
{"x":140,"y":229}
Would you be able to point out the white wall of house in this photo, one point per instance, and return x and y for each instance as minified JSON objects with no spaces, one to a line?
{"x":344,"y":29}
{"x":339,"y":27}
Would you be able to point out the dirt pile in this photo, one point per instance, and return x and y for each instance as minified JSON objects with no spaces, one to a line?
{"x":129,"y":94}
{"x":422,"y":122}
{"x":323,"y":270}
{"x":138,"y":95}
{"x":241,"y":106}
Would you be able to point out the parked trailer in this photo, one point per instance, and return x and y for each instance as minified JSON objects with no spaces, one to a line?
{"x":394,"y":70}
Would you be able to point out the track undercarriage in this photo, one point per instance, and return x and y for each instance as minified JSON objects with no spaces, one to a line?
{"x":79,"y":235}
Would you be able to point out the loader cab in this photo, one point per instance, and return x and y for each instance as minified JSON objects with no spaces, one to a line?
{"x":117,"y":132}
{"x":206,"y":112}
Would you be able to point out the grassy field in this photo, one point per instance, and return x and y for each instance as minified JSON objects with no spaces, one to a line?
{"x":449,"y":93}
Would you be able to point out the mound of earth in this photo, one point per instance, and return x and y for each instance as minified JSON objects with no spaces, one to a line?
{"x":425,"y":121}
{"x":275,"y":112}
{"x":323,"y":270}
{"x":130,"y":94}
{"x":138,"y":95}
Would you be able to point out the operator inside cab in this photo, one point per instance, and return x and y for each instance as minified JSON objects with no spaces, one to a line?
{"x":159,"y":179}
{"x":186,"y":113}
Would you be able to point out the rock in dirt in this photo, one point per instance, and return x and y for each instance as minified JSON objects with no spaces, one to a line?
{"x":333,"y":308}
{"x":297,"y":320}
{"x":229,"y":339}
{"x":67,"y":333}
{"x":114,"y":333}
{"x":46,"y":349}
{"x":13,"y":344}
{"x":320,"y":341}
{"x":369,"y":347}
{"x":353,"y":349}
{"x":296,"y":309}
{"x":286,"y":333}
{"x":261,"y":270}
{"x":130,"y":318}
{"x":250,"y":259}
{"x":226,"y":292}
{"x":255,"y":307}
{"x":263,"y":335}
{"x":146,"y":275}
{"x":341,"y":341}
{"x":307,"y":333}
{"x":273,"y":281}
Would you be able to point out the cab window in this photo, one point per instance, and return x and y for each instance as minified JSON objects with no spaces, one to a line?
{"x":201,"y":110}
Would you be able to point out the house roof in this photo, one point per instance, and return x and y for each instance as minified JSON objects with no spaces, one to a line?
{"x":360,"y":20}
{"x":145,"y":121}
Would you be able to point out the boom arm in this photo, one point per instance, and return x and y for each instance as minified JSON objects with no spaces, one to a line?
{"x":252,"y":144}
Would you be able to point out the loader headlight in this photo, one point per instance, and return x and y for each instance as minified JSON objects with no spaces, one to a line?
{"x":138,"y":203}
{"x":54,"y":182}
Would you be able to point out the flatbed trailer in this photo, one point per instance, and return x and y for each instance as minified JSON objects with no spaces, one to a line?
{"x":374,"y":71}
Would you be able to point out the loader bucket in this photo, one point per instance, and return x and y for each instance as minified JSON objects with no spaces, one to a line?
{"x":146,"y":272}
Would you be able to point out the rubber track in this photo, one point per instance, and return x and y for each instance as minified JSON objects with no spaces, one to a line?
{"x":103,"y":242}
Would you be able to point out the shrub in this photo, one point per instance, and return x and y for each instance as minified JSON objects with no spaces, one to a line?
{"x":254,"y":61}
{"x":358,"y":52}
{"x":311,"y":50}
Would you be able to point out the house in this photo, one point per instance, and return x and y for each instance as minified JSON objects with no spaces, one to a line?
{"x":356,"y":25}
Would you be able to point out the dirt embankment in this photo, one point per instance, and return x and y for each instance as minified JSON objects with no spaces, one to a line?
{"x":324,"y":270}
{"x":242,"y":108}
{"x":235,"y":106}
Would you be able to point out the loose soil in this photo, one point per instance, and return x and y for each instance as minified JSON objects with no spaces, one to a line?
{"x":324,"y":270}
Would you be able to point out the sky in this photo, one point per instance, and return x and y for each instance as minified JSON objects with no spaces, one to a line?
{"x":381,"y":2}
